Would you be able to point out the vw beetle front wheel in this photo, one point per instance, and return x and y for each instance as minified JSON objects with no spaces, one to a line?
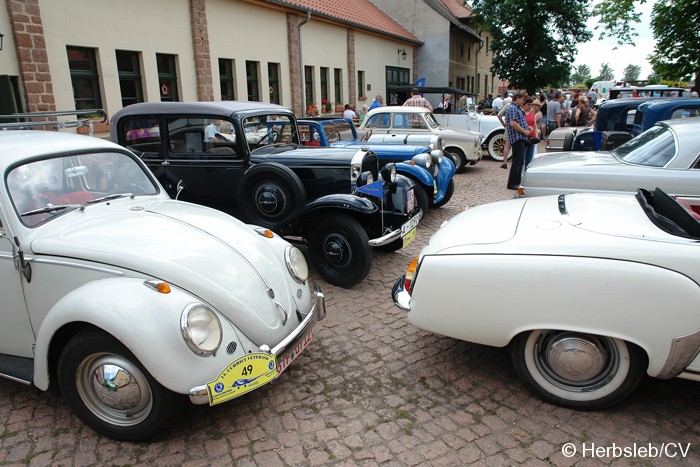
{"x":577,"y":370}
{"x":110,"y":391}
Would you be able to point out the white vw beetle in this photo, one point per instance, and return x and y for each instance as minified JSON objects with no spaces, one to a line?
{"x":127,"y":299}
{"x":590,"y":290}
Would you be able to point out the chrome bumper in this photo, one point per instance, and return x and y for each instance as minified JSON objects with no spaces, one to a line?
{"x":400,"y":295}
{"x":199,"y":394}
{"x":391,"y":236}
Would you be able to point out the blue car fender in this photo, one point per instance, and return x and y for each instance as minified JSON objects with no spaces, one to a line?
{"x":416,"y":172}
{"x":445,"y":173}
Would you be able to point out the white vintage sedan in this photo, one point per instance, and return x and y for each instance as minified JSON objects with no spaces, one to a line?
{"x":125,"y":299}
{"x":589,"y":290}
{"x":464,"y":147}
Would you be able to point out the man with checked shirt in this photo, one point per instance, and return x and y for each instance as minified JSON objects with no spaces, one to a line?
{"x":519,"y":137}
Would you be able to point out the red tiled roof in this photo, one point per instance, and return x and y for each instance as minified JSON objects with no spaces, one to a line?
{"x":457,"y":8}
{"x":361,"y":13}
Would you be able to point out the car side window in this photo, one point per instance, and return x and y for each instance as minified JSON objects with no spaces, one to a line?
{"x":141,"y":135}
{"x":686,"y":113}
{"x":201,"y":138}
{"x":379,"y":120}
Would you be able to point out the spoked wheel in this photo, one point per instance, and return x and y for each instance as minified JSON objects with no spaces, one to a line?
{"x":577,"y":370}
{"x":495,"y":145}
{"x":339,"y":250}
{"x":110,"y":391}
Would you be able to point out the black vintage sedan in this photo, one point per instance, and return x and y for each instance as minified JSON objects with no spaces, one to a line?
{"x":246,"y":156}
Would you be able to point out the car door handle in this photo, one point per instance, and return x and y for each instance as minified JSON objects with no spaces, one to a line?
{"x":165,"y":163}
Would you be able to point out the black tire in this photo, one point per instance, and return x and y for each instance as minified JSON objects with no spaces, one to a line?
{"x":133,"y":420}
{"x":601,"y":372}
{"x":269,"y":193}
{"x":568,"y":142}
{"x":448,"y":195}
{"x":423,"y":200}
{"x":495,"y":145}
{"x":339,"y":249}
{"x":458,"y":157}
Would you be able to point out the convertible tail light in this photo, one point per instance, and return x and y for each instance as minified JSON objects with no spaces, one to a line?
{"x":410,"y":274}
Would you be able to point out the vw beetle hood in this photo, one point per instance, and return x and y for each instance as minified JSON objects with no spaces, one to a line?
{"x":205,"y":252}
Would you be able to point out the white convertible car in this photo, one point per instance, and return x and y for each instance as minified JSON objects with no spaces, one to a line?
{"x":589,"y":290}
{"x":125,"y":299}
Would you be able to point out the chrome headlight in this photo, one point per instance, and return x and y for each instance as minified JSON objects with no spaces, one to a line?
{"x":388,"y":173}
{"x":201,"y":329}
{"x":437,"y":156}
{"x":365,"y":179}
{"x":296,"y":264}
{"x":424,"y":160}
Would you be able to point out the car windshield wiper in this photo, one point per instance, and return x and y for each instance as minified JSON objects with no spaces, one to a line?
{"x":108,"y":197}
{"x":47,"y":209}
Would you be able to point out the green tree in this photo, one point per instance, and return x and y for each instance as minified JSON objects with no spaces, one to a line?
{"x":581,"y":74}
{"x":606,"y":73}
{"x":676,"y":27}
{"x":534,"y":41}
{"x":616,"y":18}
{"x":631,"y":72}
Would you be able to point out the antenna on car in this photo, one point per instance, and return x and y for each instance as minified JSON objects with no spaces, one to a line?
{"x":82,"y":118}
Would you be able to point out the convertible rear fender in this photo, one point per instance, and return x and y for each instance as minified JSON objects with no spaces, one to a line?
{"x":147,"y":324}
{"x":652,"y":307}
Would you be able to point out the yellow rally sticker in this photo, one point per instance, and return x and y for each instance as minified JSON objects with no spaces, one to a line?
{"x":242,"y":376}
{"x":409,"y":237}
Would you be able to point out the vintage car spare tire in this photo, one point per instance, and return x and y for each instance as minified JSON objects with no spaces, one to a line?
{"x":127,"y":405}
{"x":577,"y":370}
{"x":339,"y":249}
{"x":268,"y":193}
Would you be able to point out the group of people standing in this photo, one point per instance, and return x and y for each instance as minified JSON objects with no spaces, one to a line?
{"x":529,"y":119}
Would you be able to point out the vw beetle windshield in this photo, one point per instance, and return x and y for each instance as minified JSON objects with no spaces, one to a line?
{"x":44,"y":189}
{"x":655,"y":147}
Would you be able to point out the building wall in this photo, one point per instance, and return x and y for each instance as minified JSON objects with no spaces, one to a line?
{"x":235,"y":30}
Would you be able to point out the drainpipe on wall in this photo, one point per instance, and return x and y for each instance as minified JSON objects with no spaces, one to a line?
{"x":302,"y":72}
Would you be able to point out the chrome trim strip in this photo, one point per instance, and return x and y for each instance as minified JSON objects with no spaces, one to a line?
{"x":74,"y":265}
{"x":199,"y":394}
{"x":683,"y":350}
{"x":15,"y":379}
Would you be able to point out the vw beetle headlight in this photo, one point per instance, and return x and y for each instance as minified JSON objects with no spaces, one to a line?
{"x":388,"y":173}
{"x":201,"y":329}
{"x":296,"y":264}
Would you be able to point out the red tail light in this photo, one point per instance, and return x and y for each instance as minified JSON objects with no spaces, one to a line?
{"x":410,"y":274}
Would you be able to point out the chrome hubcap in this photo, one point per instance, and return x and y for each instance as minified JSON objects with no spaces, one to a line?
{"x":114,"y":389}
{"x":575,"y":359}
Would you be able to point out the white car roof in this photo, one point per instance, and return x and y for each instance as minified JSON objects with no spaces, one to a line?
{"x":398,"y":109}
{"x":19,"y":145}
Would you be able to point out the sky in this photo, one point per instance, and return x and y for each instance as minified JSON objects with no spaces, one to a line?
{"x":596,"y":52}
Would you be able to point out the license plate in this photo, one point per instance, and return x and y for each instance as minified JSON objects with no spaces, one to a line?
{"x":411,"y":202}
{"x":246,"y":374}
{"x":409,"y":237}
{"x":288,"y":357}
{"x":410,"y":225}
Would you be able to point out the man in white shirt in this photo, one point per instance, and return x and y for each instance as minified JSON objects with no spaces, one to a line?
{"x":349,"y":114}
{"x":497,"y":104}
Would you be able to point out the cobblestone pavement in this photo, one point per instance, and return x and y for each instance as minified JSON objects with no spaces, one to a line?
{"x":374,"y":390}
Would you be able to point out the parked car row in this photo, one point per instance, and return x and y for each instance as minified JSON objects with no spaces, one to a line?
{"x":79,"y":260}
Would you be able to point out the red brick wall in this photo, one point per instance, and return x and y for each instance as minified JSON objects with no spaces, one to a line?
{"x":200,"y":44}
{"x":28,"y":33}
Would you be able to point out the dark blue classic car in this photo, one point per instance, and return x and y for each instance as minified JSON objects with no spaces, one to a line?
{"x":426,"y":166}
{"x":246,"y":156}
{"x":619,"y":120}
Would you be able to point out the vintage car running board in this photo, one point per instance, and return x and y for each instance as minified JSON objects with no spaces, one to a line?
{"x":18,"y":369}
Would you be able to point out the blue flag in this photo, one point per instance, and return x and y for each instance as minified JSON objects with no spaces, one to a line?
{"x":373,"y":189}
